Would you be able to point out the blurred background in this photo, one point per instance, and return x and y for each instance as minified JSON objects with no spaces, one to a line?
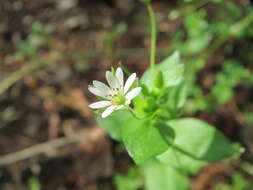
{"x":52,"y":49}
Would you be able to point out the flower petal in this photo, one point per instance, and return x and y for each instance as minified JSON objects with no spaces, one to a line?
{"x":119,"y":107}
{"x":100,"y":104}
{"x":129,"y":82}
{"x":98,"y":92}
{"x":133,"y":93}
{"x":128,"y":102}
{"x":102,"y":87}
{"x":112,"y":80}
{"x":120,"y":76}
{"x":99,"y":84}
{"x":108,"y":111}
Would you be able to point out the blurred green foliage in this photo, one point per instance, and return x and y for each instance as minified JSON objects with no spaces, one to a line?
{"x":34,"y":184}
{"x":231,"y":75}
{"x":131,"y":181}
{"x":238,"y":183}
{"x":28,"y":48}
{"x":110,"y":38}
{"x":208,"y":32}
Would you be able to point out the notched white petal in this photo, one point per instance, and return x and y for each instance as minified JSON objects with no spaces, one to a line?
{"x":102,"y":87}
{"x":112,"y":80}
{"x":133,"y":93}
{"x":120,"y":76}
{"x":100,"y":104}
{"x":129,"y":82}
{"x":108,"y":111}
{"x":99,"y":84}
{"x":97,"y":92}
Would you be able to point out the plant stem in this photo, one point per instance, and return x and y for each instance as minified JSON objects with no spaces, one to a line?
{"x":153,"y":35}
{"x":52,"y":146}
{"x":133,"y":113}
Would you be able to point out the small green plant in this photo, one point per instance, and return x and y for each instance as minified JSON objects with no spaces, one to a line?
{"x":110,"y":38}
{"x":28,"y":48}
{"x":132,"y":181}
{"x":34,"y":184}
{"x":201,"y":37}
{"x":145,"y":115}
{"x":232,"y":74}
{"x":238,"y":183}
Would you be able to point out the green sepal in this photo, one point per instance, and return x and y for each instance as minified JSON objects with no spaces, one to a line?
{"x":158,"y":81}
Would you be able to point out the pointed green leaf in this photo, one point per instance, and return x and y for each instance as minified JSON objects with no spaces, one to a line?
{"x":196,"y":142}
{"x":158,"y":176}
{"x":172,"y":72}
{"x":144,"y":139}
{"x":114,"y":122}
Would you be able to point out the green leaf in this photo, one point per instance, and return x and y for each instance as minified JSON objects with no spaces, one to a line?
{"x":145,"y":139}
{"x":158,"y":176}
{"x":114,"y":123}
{"x":131,"y":181}
{"x":172,"y":72}
{"x":34,"y":183}
{"x":145,"y":106}
{"x":174,"y":98}
{"x":240,"y":183}
{"x":196,"y":143}
{"x":158,"y":79}
{"x":196,"y":44}
{"x":181,"y":161}
{"x":217,"y":1}
{"x":146,"y":1}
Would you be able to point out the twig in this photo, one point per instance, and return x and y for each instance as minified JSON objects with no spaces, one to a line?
{"x":31,"y":66}
{"x":16,"y":76}
{"x":85,"y":135}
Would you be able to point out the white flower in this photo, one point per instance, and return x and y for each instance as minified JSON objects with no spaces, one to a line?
{"x":116,"y":95}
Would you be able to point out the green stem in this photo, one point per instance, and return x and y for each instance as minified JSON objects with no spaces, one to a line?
{"x":133,"y":113}
{"x":153,"y":35}
{"x":240,"y":25}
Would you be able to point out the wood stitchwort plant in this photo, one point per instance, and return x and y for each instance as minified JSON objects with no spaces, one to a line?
{"x":147,"y":121}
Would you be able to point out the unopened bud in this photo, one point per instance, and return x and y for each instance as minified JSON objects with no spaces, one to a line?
{"x":158,"y":79}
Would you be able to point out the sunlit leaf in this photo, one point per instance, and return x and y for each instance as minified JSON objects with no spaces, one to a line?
{"x":196,"y":142}
{"x":172,"y":71}
{"x":158,"y":176}
{"x":145,"y":139}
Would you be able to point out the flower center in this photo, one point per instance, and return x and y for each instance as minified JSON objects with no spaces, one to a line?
{"x":119,"y":99}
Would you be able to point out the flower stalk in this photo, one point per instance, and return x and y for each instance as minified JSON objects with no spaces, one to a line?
{"x":153,"y":34}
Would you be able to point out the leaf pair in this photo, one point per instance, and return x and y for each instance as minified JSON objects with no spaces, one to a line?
{"x":183,"y":143}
